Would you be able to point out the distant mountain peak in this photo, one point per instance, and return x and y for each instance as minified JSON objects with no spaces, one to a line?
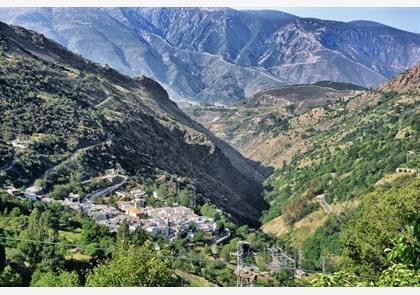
{"x":222,"y":55}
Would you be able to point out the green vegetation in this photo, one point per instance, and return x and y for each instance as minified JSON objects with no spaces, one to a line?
{"x":354,"y":161}
{"x":38,"y":253}
{"x":43,"y":105}
{"x":396,"y":275}
{"x":376,"y":227}
{"x":49,"y":245}
{"x":55,"y":134}
{"x":135,"y":267}
{"x":379,"y":244}
{"x":346,"y":160}
{"x":339,"y":85}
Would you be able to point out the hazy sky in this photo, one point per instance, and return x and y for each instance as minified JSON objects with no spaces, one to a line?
{"x":407,"y":19}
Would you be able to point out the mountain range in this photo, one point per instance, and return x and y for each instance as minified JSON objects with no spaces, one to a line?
{"x":78,"y":117}
{"x":221,"y":55}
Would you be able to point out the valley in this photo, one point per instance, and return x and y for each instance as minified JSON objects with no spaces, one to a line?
{"x":273,"y":125}
{"x":106,"y":181}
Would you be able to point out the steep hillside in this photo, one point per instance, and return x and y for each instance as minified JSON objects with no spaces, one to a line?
{"x":310,"y":95}
{"x":272,"y":125}
{"x":63,"y":116}
{"x":221,"y":55}
{"x":356,"y":147}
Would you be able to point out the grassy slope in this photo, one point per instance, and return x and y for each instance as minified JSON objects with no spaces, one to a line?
{"x":361,"y":142}
{"x":272,"y":125}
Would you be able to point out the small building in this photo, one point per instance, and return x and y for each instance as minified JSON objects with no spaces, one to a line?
{"x":134,"y":212}
{"x":153,"y":230}
{"x":74,"y":197}
{"x":406,"y":170}
{"x":30,"y":196}
{"x":47,"y":200}
{"x":17,"y":143}
{"x":110,"y":171}
{"x":137,"y":193}
{"x":33,"y":190}
{"x":101,"y":216}
{"x":300,"y":274}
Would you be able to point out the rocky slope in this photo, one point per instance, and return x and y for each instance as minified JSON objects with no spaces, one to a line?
{"x":65,"y":107}
{"x":270,"y":125}
{"x":223,"y":55}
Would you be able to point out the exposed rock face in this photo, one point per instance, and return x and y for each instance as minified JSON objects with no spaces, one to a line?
{"x":409,"y":81}
{"x":134,"y":122}
{"x":224,"y":55}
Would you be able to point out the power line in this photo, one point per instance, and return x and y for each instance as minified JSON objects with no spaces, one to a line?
{"x":173,"y":257}
{"x":196,"y":258}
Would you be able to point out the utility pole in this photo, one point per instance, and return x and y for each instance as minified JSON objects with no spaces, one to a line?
{"x":240,"y":253}
{"x":282,"y":261}
{"x":244,"y":273}
{"x":323,"y":264}
{"x":300,"y":258}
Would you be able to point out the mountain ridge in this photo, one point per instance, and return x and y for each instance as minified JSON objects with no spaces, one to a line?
{"x":225,"y":55}
{"x":125,"y":122}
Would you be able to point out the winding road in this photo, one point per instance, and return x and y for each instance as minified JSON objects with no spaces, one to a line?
{"x":324,"y":204}
{"x":69,"y":158}
{"x":215,"y":242}
{"x":15,"y":159}
{"x":108,"y":189}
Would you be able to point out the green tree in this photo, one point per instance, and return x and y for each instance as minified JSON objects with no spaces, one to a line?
{"x":199,"y":237}
{"x":123,"y":234}
{"x":338,"y":279}
{"x":170,"y":201}
{"x":36,"y":233}
{"x":407,"y":245}
{"x":243,"y":231}
{"x":52,"y":254}
{"x":186,"y":199}
{"x":283,"y":277}
{"x":96,"y":236}
{"x":60,"y":191}
{"x":225,"y":253}
{"x":366,"y":236}
{"x":136,"y":267}
{"x":139,"y":236}
{"x":262,"y":260}
{"x":399,"y":275}
{"x":9,"y":278}
{"x":2,"y":256}
{"x":61,"y":279}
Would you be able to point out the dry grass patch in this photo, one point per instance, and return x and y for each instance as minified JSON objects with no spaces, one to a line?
{"x":390,"y":178}
{"x":194,"y":280}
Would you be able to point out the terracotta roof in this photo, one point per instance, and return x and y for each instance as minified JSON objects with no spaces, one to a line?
{"x":133,"y":210}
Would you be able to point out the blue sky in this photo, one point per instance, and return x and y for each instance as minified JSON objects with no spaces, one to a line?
{"x":407,"y":19}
